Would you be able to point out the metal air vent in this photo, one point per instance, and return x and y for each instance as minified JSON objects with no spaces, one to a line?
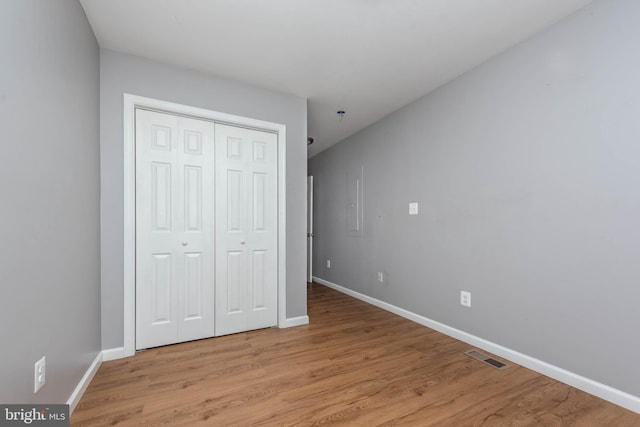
{"x":486,"y":359}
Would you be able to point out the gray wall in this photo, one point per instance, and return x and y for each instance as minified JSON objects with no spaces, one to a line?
{"x":121,"y":73}
{"x":49,"y":182}
{"x":527,"y":171}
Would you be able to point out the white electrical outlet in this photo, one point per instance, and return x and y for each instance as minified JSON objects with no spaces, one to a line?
{"x":39,"y":374}
{"x":465,"y":298}
{"x":413,"y":208}
{"x":380,"y":277}
{"x":328,"y":263}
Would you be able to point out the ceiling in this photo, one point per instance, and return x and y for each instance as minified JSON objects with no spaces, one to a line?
{"x":366,"y":57}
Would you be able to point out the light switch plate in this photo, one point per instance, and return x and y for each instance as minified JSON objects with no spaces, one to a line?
{"x":413,"y":208}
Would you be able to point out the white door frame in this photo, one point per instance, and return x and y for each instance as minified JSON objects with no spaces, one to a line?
{"x":131,"y":102}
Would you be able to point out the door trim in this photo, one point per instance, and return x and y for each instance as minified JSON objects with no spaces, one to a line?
{"x":131,"y":102}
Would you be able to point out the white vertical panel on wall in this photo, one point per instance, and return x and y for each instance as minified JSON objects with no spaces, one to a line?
{"x":355,"y":178}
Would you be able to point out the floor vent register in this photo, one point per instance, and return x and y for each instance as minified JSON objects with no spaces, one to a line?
{"x":486,"y":359}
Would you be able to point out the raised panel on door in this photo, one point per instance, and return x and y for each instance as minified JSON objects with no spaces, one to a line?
{"x":258,"y":281}
{"x":259,"y":201}
{"x":234,"y":190}
{"x":233,"y":283}
{"x":193,"y":286}
{"x":246,"y":256}
{"x":161,"y":196}
{"x":174,"y":229}
{"x":161,"y":283}
{"x":193,"y":198}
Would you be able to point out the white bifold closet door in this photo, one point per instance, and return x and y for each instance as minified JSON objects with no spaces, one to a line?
{"x":246,"y":229}
{"x":206,"y":229}
{"x":174,"y":229}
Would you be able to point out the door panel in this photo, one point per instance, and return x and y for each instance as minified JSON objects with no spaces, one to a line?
{"x":246,"y":246}
{"x":174,"y":229}
{"x":156,"y":266}
{"x":196,"y":240}
{"x":309,"y":229}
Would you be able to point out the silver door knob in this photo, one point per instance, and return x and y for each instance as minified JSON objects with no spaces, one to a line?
{"x":242,"y":242}
{"x":184,"y":243}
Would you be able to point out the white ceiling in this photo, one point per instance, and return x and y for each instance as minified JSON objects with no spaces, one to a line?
{"x":367,"y":57}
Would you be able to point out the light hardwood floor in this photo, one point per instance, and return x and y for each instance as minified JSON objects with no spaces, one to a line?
{"x":354,"y":364}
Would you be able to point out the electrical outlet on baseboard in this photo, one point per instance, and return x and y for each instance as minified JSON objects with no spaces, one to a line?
{"x":329,"y":264}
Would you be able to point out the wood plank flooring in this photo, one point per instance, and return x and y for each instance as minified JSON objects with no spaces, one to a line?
{"x":354,"y":364}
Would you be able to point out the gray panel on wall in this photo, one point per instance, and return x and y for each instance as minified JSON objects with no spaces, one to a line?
{"x":49,"y":181}
{"x":355,"y":182}
{"x":122,"y":73}
{"x":527,"y":171}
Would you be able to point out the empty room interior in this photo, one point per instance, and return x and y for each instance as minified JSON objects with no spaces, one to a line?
{"x":337,"y":212}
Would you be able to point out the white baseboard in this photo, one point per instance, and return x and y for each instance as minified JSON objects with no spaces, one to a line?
{"x":113,"y":354}
{"x":295,"y":321}
{"x":75,"y":397}
{"x":590,"y":386}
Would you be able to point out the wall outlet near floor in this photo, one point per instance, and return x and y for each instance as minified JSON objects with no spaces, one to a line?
{"x":380,"y":277}
{"x":328,"y":263}
{"x":465,"y":298}
{"x":39,"y":374}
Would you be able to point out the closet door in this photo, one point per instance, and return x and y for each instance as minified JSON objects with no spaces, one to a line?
{"x":174,"y":229}
{"x":246,"y":229}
